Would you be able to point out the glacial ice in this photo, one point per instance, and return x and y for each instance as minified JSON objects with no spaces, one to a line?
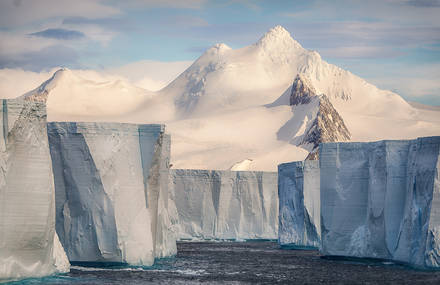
{"x":214,"y":204}
{"x":111,"y":184}
{"x":299,"y":195}
{"x":382,"y":200}
{"x":29,"y":246}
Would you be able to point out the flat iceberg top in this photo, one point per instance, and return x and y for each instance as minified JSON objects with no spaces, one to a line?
{"x":308,"y":164}
{"x":424,"y":140}
{"x":104,"y":128}
{"x":206,"y":171}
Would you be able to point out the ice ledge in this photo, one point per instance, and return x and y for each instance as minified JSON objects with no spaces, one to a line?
{"x":29,"y":246}
{"x":225,"y":205}
{"x":378,"y":200}
{"x":111,"y":183}
{"x":382,"y":200}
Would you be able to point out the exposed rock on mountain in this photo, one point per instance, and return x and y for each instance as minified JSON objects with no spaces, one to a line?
{"x":327,"y":125}
{"x":302,"y":90}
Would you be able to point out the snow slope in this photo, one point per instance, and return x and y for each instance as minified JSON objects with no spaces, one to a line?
{"x":231,"y":105}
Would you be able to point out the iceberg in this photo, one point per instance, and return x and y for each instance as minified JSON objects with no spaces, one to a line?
{"x":382,"y":200}
{"x":29,"y":246}
{"x":111,"y":183}
{"x":299,"y":212}
{"x":214,"y":204}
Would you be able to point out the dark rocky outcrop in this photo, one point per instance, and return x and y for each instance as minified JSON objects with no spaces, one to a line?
{"x":327,"y":126}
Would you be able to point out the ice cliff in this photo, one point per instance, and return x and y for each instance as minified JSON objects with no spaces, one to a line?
{"x":214,"y":204}
{"x":111,"y":185}
{"x":29,"y":246}
{"x":382,"y":200}
{"x":299,"y":211}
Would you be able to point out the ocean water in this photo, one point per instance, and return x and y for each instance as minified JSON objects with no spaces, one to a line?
{"x":252,"y":262}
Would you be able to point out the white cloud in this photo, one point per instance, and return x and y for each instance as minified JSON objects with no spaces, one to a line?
{"x":16,"y":82}
{"x":22,"y":12}
{"x":147,"y":74}
{"x":96,"y":33}
{"x":150,"y":74}
{"x":359,"y":52}
{"x":150,"y":84}
{"x":414,"y":82}
{"x":12,"y":44}
{"x":186,"y":4}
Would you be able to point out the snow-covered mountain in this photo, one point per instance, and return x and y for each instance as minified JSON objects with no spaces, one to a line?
{"x":265,"y":104}
{"x":71,"y":97}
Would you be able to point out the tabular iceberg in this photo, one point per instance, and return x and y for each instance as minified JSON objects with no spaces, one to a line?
{"x":216,"y":204}
{"x":299,"y":212}
{"x":382,"y":200}
{"x":111,"y":184}
{"x":29,"y":246}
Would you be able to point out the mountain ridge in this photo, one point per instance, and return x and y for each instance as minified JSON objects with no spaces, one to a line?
{"x":236,"y":105}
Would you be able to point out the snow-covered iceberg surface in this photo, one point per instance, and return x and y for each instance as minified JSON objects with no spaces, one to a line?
{"x":214,"y":204}
{"x":111,"y":184}
{"x":382,"y":200}
{"x":299,"y":214}
{"x":29,"y":246}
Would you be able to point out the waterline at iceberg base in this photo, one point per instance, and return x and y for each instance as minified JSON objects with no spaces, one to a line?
{"x":222,"y":204}
{"x":29,"y":246}
{"x":111,"y":184}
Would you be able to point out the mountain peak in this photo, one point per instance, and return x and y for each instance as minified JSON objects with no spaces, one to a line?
{"x":278,"y":31}
{"x":64,"y":71}
{"x":59,"y":75}
{"x":41,"y":92}
{"x":217,"y":49}
{"x":277,"y":37}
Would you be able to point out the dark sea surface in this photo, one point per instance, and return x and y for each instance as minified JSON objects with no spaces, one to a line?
{"x":252,"y":262}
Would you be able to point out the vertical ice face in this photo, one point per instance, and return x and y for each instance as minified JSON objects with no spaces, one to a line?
{"x":29,"y":246}
{"x":381,"y":200}
{"x":214,"y":204}
{"x":166,"y":219}
{"x":299,"y":211}
{"x":111,"y":184}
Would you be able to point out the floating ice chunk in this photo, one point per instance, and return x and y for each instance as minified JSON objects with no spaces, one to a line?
{"x":216,"y":204}
{"x":29,"y":246}
{"x":382,"y":200}
{"x":111,"y":185}
{"x":299,"y":214}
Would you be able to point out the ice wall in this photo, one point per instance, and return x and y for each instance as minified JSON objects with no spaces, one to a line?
{"x":29,"y":246}
{"x":381,"y":200}
{"x":299,"y":211}
{"x":214,"y":204}
{"x":111,"y":184}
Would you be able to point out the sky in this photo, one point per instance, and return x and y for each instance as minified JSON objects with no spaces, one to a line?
{"x":394,"y":44}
